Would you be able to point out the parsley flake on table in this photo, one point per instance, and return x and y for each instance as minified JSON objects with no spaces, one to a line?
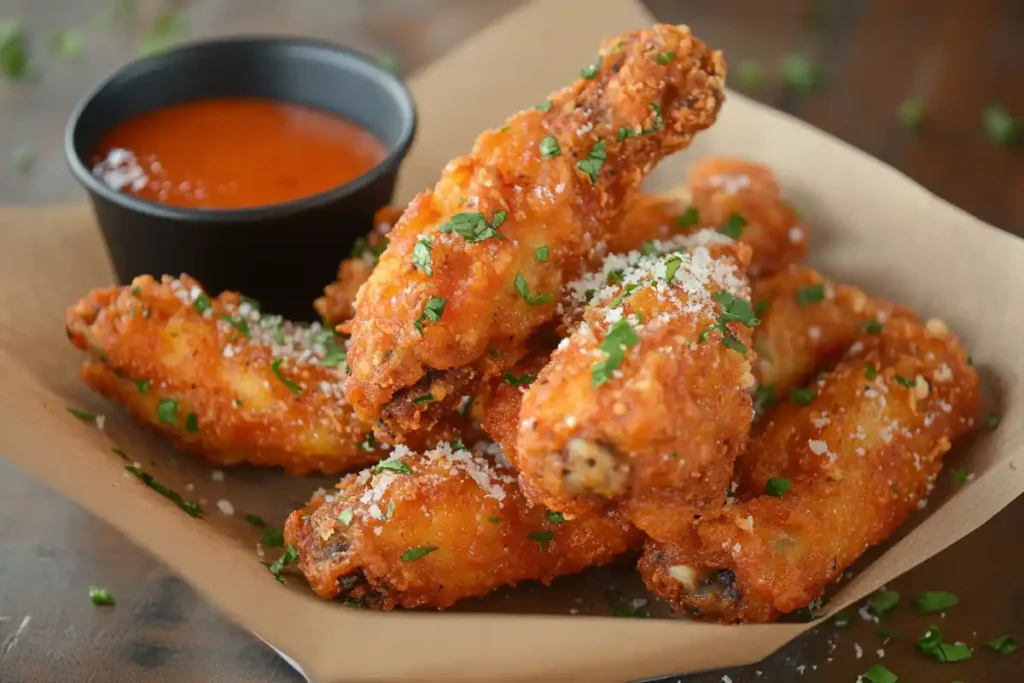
{"x":272,"y":538}
{"x":67,"y":43}
{"x":100,"y":596}
{"x":749,"y":73}
{"x":841,"y":619}
{"x":524,"y":291}
{"x":777,"y":487}
{"x":256,"y":521}
{"x":960,"y":476}
{"x":733,"y":226}
{"x":84,"y":416}
{"x":425,"y":398}
{"x":883,"y":602}
{"x":167,"y":411}
{"x":192,"y":509}
{"x":592,"y":163}
{"x":432,"y":311}
{"x":930,"y":602}
{"x":23,"y":159}
{"x":275,"y":367}
{"x":13,"y":51}
{"x":414,"y":554}
{"x":549,"y":147}
{"x":542,"y":253}
{"x":555,"y":517}
{"x":345,"y":516}
{"x":290,"y":556}
{"x":993,"y":420}
{"x":473,"y":227}
{"x":764,"y":397}
{"x":801,"y":73}
{"x":688,"y":218}
{"x":542,"y":537}
{"x":879,"y":674}
{"x":629,"y":611}
{"x":513,"y":381}
{"x":811,"y":294}
{"x":1004,"y":645}
{"x":666,"y":57}
{"x":931,"y":644}
{"x":911,"y":113}
{"x":391,"y":465}
{"x":620,"y":335}
{"x":164,"y":32}
{"x":545,"y":105}
{"x":591,"y":70}
{"x":1000,"y":125}
{"x":421,"y":256}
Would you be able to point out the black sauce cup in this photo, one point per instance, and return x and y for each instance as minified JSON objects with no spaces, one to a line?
{"x":280,"y":254}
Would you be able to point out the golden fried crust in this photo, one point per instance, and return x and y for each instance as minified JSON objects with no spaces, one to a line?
{"x":723,"y":186}
{"x":649,"y":217}
{"x":455,"y":526}
{"x":655,"y":434}
{"x":514,"y":184}
{"x":502,"y":406}
{"x":807,"y":323}
{"x":208,"y":380}
{"x":861,"y":457}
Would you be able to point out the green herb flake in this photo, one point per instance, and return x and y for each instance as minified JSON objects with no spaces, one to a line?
{"x":369,"y":444}
{"x":473,"y":227}
{"x":591,"y":70}
{"x":870,"y":371}
{"x":688,"y":218}
{"x":1000,"y":125}
{"x":67,"y":43}
{"x":167,"y":411}
{"x":542,"y":253}
{"x":425,"y":398}
{"x":238,"y":403}
{"x":523,"y":381}
{"x":504,"y":129}
{"x":615,"y":277}
{"x":764,"y":397}
{"x":165,"y":32}
{"x":556,"y":517}
{"x":542,"y":537}
{"x":524,"y":291}
{"x":239,"y":324}
{"x":666,"y":57}
{"x":290,"y":556}
{"x":100,"y":596}
{"x":620,"y":335}
{"x":272,"y":538}
{"x":931,"y":644}
{"x":629,"y":611}
{"x":993,"y":420}
{"x":960,"y":476}
{"x":592,"y":163}
{"x":361,"y":249}
{"x":621,"y":296}
{"x":390,"y":511}
{"x":192,"y":509}
{"x":801,"y":73}
{"x":494,"y":520}
{"x":811,"y":294}
{"x":549,"y":147}
{"x":874,"y":327}
{"x":803,"y":397}
{"x":930,"y":602}
{"x":142,"y":385}
{"x":910,"y":113}
{"x":256,"y":521}
{"x":879,"y":674}
{"x":432,"y":311}
{"x":750,"y":73}
{"x":905,"y":381}
{"x":275,"y":367}
{"x":625,"y":133}
{"x":414,"y":554}
{"x":84,"y":416}
{"x":391,"y":465}
{"x":545,"y":105}
{"x":777,"y":487}
{"x":457,"y":444}
{"x":421,"y":256}
{"x":22,"y":159}
{"x":389,"y":62}
{"x":1004,"y":645}
{"x":733,"y":226}
{"x":761,"y":307}
{"x":671,"y":268}
{"x":465,"y":404}
{"x":735,"y":310}
{"x":345,"y":516}
{"x":841,"y":619}
{"x":883,"y":602}
{"x":14,"y":61}
{"x":192,"y":423}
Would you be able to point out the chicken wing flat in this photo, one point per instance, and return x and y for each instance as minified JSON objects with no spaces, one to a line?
{"x":745,"y":200}
{"x":475,"y":266}
{"x":646,"y":405}
{"x":807,"y":324}
{"x":824,"y":481}
{"x":428,"y":530}
{"x":228,"y":383}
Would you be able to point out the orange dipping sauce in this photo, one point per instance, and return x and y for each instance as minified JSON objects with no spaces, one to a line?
{"x":234,"y":153}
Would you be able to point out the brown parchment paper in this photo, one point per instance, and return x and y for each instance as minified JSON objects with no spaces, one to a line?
{"x":871,"y":226}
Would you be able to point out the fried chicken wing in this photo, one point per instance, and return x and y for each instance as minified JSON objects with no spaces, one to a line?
{"x":428,"y":530}
{"x":476,"y":264}
{"x":745,"y":199}
{"x":824,"y":481}
{"x":646,"y":405}
{"x":228,"y":383}
{"x":808,"y":323}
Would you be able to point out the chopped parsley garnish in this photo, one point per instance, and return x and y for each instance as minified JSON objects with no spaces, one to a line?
{"x":542,"y":253}
{"x":336,"y":355}
{"x":879,"y":674}
{"x":272,"y":538}
{"x":256,"y":521}
{"x":841,"y":619}
{"x":1004,"y":645}
{"x":626,"y":291}
{"x":911,"y":113}
{"x":993,"y":420}
{"x":592,"y":163}
{"x":86,"y":417}
{"x":629,"y":611}
{"x":361,"y":247}
{"x":369,"y":444}
{"x":591,"y":70}
{"x":201,"y":302}
{"x":555,"y":517}
{"x":167,"y":411}
{"x":545,"y":105}
{"x":432,"y":311}
{"x":649,"y":248}
{"x":189,"y":507}
{"x":238,"y":403}
{"x":273,"y":324}
{"x":192,"y":423}
{"x":421,"y":256}
{"x":625,"y":133}
{"x":883,"y":602}
{"x":960,"y":476}
{"x":733,"y":311}
{"x":275,"y":367}
{"x":542,"y":537}
{"x":659,"y":121}
{"x":931,"y":644}
{"x":13,"y":51}
{"x":141,"y":385}
{"x":136,"y":290}
{"x":688,"y":218}
{"x":345,"y":516}
{"x":495,"y":520}
{"x":777,"y":487}
{"x":870,"y":371}
{"x":803,"y":397}
{"x":749,"y":74}
{"x":764,"y":397}
{"x":457,"y":444}
{"x":524,"y":291}
{"x":290,"y":556}
{"x":473,"y":227}
{"x":524,"y":381}
{"x":733,"y":226}
{"x":761,"y":307}
{"x":811,"y":294}
{"x":671,"y":268}
{"x":118,"y":451}
{"x":464,"y":406}
{"x":873,"y":327}
{"x":425,"y":398}
{"x":549,"y":147}
{"x":100,"y":596}
{"x":615,"y":277}
{"x":930,"y":602}
{"x":619,"y":336}
{"x":23,"y":159}
{"x":666,"y":57}
{"x":1000,"y":125}
{"x":391,"y":465}
{"x":905,"y":381}
{"x":414,"y":554}
{"x":239,"y":324}
{"x":800,"y":72}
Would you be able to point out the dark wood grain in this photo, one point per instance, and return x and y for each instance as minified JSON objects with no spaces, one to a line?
{"x":956,"y":56}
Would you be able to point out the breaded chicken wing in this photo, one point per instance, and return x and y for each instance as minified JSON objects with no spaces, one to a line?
{"x":807,"y":324}
{"x":744,"y":199}
{"x":646,"y":404}
{"x":228,"y":383}
{"x":824,"y":481}
{"x":428,"y":530}
{"x":475,"y":265}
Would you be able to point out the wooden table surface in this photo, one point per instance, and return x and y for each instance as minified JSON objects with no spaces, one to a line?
{"x":956,"y":56}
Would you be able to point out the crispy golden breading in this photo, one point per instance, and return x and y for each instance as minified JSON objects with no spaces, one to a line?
{"x":860,"y":457}
{"x":502,"y":404}
{"x":722,"y":187}
{"x":337,"y":305}
{"x":227,"y":383}
{"x":649,"y":217}
{"x":428,"y":530}
{"x":808,"y":323}
{"x":646,"y":405}
{"x":462,"y":275}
